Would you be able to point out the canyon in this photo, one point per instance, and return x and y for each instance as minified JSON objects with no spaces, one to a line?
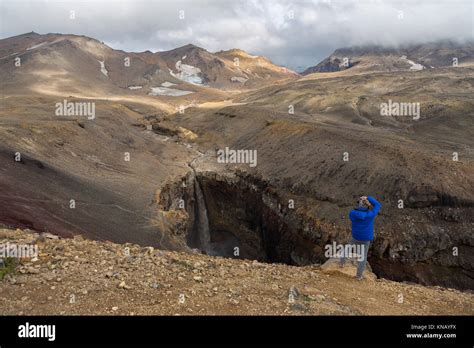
{"x":145,"y":169}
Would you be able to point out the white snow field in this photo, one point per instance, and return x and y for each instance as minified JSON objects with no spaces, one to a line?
{"x":170,"y":92}
{"x":238,"y":79}
{"x":167,"y":84}
{"x":187,"y":73}
{"x":102,"y":68}
{"x":414,"y":66}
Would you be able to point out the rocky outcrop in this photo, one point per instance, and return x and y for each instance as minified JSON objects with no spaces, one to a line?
{"x":331,"y":64}
{"x":250,"y":218}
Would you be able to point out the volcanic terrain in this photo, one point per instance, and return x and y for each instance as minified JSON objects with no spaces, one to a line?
{"x":144,"y":169}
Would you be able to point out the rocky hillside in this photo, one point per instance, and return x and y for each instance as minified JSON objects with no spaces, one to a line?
{"x":229,"y":70}
{"x":61,"y":64}
{"x":84,"y":277}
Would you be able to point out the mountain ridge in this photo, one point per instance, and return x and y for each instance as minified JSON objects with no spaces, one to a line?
{"x":188,"y":65}
{"x":371,"y":58}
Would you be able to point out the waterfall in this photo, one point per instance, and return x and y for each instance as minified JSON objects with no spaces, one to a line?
{"x":202,"y":221}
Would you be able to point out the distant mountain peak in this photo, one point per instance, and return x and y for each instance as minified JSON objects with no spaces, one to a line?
{"x":83,"y":56}
{"x":389,"y":58}
{"x":188,"y":47}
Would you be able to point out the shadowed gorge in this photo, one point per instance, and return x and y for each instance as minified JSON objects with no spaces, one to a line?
{"x":245,"y":217}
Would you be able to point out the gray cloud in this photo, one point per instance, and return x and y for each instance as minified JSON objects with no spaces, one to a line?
{"x":296,"y":33}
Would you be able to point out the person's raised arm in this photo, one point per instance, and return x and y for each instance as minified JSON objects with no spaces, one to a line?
{"x":376,"y":206}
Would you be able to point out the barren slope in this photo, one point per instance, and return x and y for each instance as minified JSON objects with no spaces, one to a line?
{"x":81,"y":277}
{"x":64,"y":158}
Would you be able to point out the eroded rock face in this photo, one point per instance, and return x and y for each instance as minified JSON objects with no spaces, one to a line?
{"x":250,"y":218}
{"x":245,"y":218}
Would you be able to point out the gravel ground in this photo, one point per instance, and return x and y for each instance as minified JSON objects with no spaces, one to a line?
{"x":84,"y":277}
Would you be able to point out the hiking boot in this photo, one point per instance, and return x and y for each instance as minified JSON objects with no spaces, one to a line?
{"x":359,"y":278}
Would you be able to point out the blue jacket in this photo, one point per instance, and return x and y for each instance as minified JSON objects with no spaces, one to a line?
{"x":363,"y":220}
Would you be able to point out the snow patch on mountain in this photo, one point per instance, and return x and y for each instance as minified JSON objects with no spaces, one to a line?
{"x":167,"y":84}
{"x":414,"y":66}
{"x":103,"y":70}
{"x":13,"y":54}
{"x":170,"y":92}
{"x":36,"y":46}
{"x":238,"y":79}
{"x":187,"y":73}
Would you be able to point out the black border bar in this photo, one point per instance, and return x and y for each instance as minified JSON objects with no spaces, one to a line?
{"x":224,"y":330}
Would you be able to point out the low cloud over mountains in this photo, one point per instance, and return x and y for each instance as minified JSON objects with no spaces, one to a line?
{"x":295,"y":34}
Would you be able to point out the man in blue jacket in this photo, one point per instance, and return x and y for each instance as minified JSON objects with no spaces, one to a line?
{"x":362,"y":219}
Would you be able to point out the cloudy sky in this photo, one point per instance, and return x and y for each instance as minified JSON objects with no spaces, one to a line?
{"x":297,"y":33}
